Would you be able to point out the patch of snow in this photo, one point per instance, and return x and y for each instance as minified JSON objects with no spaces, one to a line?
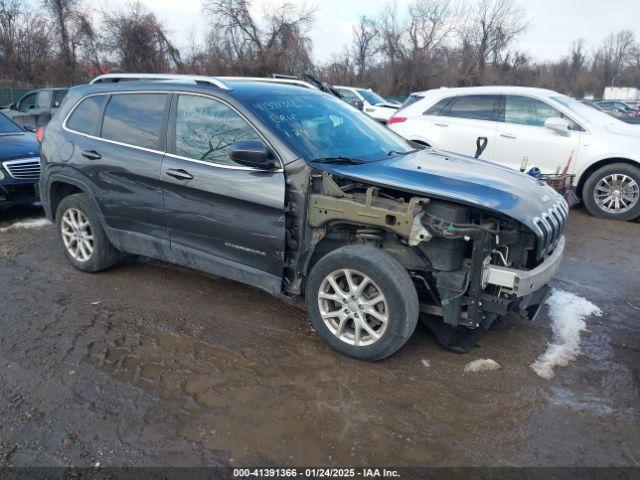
{"x":27,"y":224}
{"x":481,"y":365}
{"x":426,"y":363}
{"x":567,"y":312}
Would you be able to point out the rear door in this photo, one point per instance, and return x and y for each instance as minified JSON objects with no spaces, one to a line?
{"x":457,"y":123}
{"x":121,"y":154}
{"x":217,"y":210}
{"x":522,"y":140}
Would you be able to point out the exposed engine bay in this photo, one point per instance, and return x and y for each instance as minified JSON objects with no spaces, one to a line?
{"x":446,"y":247}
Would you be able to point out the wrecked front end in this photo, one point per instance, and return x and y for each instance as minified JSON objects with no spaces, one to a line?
{"x":468,"y":265}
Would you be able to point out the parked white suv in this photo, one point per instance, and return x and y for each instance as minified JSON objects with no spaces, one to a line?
{"x":374,"y":105}
{"x":541,"y":128}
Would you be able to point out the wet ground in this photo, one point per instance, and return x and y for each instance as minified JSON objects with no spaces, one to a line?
{"x":152,"y":364}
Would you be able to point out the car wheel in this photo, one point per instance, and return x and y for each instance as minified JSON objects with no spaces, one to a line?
{"x":613,"y":192}
{"x":83,"y":239}
{"x":362,"y":302}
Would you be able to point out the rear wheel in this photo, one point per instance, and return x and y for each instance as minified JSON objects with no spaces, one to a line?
{"x":85,"y":243}
{"x":613,"y":192}
{"x":362,"y":302}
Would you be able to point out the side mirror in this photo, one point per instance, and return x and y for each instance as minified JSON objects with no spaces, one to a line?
{"x":13,"y":106}
{"x":359,"y":104}
{"x":253,"y":153}
{"x":558,"y":124}
{"x":30,"y":128}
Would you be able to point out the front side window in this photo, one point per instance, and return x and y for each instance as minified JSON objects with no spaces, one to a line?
{"x":206,"y":129}
{"x":372,"y":97}
{"x":437,"y":108}
{"x":318,"y":126}
{"x":523,"y":110}
{"x":28,"y":102}
{"x":135,"y":119}
{"x":348,"y":95}
{"x":86,"y":116}
{"x":476,"y":107}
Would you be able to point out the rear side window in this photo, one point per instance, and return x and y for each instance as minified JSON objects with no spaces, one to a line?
{"x":437,"y":108}
{"x":58,"y":96}
{"x":477,"y":107}
{"x":206,"y":129}
{"x":86,"y":116}
{"x":135,"y":119}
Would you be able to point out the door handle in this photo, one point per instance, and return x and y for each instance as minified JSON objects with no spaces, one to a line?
{"x":441,"y":124}
{"x":91,"y":155}
{"x":507,"y":135}
{"x":179,"y":173}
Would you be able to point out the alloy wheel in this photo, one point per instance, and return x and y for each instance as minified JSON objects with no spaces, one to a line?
{"x":353,"y":307}
{"x":616,"y":193}
{"x":77,"y":234}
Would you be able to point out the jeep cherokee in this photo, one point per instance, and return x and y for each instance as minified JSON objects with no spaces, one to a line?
{"x":298,"y":193}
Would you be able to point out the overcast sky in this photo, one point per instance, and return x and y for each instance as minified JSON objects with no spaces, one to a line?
{"x":553,"y":24}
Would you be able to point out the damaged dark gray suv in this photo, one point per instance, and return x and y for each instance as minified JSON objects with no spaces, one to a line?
{"x":298,"y":193}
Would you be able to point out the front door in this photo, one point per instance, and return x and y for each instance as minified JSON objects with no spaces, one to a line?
{"x":522,"y":140}
{"x":217,"y":211}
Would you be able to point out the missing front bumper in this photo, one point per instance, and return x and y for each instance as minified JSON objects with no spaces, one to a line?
{"x":524,"y":282}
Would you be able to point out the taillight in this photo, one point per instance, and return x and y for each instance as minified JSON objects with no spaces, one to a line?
{"x":393,"y":120}
{"x":40,"y":134}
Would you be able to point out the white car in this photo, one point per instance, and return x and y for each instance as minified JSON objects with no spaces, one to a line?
{"x":373,"y":104}
{"x":532,"y":127}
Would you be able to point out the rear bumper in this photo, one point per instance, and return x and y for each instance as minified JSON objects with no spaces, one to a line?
{"x":525,"y":282}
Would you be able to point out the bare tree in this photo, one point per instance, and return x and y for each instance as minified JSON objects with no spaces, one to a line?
{"x":614,"y":54}
{"x":491,"y":28}
{"x":139,"y":41}
{"x":365,"y":35}
{"x":277,"y":44}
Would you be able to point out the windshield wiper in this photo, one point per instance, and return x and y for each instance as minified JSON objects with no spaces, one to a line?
{"x":343,"y":160}
{"x":396,"y":152}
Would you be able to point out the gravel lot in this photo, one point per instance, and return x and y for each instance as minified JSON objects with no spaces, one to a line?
{"x":152,"y":364}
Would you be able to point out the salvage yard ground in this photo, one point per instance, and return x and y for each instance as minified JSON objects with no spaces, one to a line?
{"x":152,"y":364}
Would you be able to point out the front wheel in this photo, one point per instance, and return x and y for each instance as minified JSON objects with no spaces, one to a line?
{"x":613,"y":192}
{"x":362,"y":302}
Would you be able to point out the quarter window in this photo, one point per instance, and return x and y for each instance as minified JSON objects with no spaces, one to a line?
{"x":206,"y":129}
{"x":135,"y":119}
{"x":477,"y":107}
{"x":86,"y":116}
{"x":523,"y":110}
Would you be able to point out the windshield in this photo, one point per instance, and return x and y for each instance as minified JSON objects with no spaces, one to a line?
{"x":7,"y":126}
{"x":319,"y":126}
{"x":584,"y":111}
{"x":371,"y":97}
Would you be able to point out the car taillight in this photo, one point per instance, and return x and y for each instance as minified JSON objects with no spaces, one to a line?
{"x":393,"y":120}
{"x":40,"y":134}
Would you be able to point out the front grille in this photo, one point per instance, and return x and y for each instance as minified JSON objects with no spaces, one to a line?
{"x":24,"y":169}
{"x":550,"y":226}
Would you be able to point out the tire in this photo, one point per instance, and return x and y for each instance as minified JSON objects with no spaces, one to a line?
{"x":386,"y":277}
{"x":628,"y":177}
{"x":80,"y":207}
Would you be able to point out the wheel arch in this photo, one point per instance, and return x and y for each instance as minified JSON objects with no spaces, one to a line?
{"x":599,"y":164}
